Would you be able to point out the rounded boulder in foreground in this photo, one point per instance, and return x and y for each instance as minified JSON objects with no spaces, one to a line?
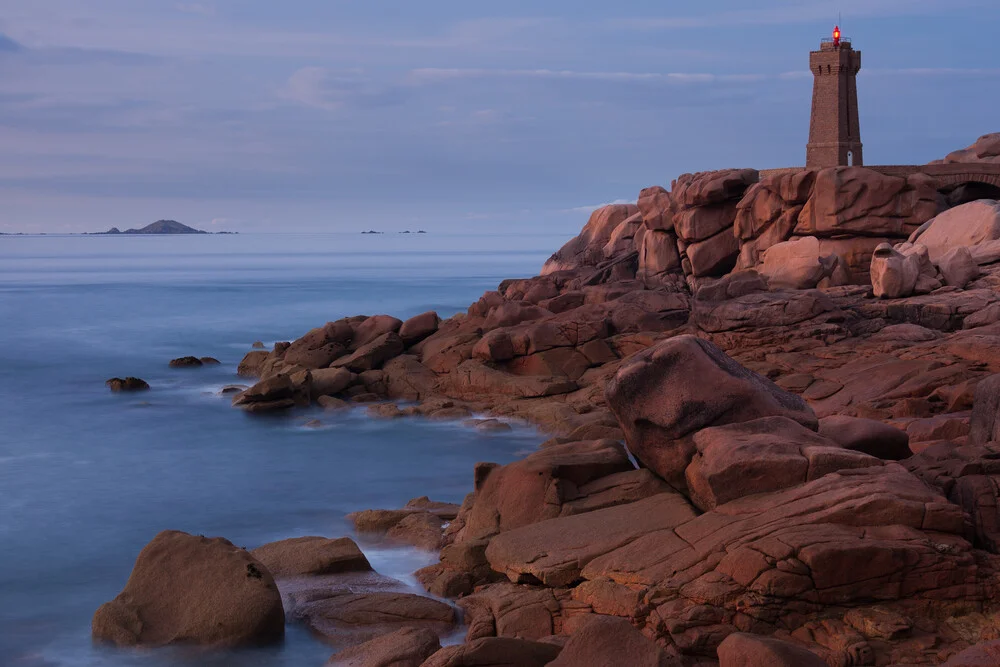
{"x":195,"y":590}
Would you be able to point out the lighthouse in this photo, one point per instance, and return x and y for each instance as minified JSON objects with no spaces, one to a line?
{"x":834,"y":133}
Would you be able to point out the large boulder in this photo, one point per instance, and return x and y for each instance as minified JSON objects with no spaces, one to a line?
{"x":797,"y":264}
{"x":311,"y":556}
{"x":319,"y":347}
{"x":606,"y":641}
{"x":682,"y":385}
{"x":406,"y":647}
{"x":195,"y":590}
{"x":535,"y":488}
{"x":277,"y":392}
{"x":370,"y":328}
{"x":329,"y":381}
{"x":958,"y":268}
{"x":963,"y":226}
{"x":893,"y":274}
{"x":626,"y":238}
{"x":372,"y":355}
{"x":761,"y":456}
{"x":587,"y":249}
{"x":251,"y":364}
{"x":419,"y":327}
{"x":745,"y":650}
{"x":859,"y":201}
{"x":656,"y":208}
{"x":658,"y":255}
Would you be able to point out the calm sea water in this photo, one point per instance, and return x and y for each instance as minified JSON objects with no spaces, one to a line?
{"x":87,"y":477}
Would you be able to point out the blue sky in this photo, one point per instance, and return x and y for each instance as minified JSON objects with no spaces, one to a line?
{"x":338,"y":115}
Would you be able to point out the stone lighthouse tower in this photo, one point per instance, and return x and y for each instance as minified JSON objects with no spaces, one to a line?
{"x":834,"y":135}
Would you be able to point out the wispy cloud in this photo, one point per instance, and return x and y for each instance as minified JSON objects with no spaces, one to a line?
{"x":443,"y":74}
{"x":325,"y":88}
{"x":803,"y":11}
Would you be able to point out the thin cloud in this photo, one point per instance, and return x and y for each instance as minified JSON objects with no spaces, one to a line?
{"x":434,"y":74}
{"x":804,"y":12}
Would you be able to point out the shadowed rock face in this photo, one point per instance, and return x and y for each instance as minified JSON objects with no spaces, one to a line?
{"x":659,"y":404}
{"x":195,"y":590}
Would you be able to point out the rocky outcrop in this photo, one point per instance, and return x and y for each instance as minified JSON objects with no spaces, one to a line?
{"x":985,"y":149}
{"x":193,"y":590}
{"x":658,"y":408}
{"x":587,"y":249}
{"x":607,"y":641}
{"x":961,"y":227}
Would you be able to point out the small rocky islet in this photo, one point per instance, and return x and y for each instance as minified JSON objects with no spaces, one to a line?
{"x":804,"y":364}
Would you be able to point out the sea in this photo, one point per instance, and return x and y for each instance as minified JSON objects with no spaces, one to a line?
{"x":88,"y":477}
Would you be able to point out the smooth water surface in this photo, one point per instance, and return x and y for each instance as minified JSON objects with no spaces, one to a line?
{"x":87,"y":477}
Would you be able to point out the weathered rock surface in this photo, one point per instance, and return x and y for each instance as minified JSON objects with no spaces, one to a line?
{"x":658,"y":406}
{"x":345,"y":616}
{"x":495,"y":652}
{"x":587,"y":249}
{"x":605,"y":641}
{"x":406,"y":647}
{"x":743,"y":650}
{"x":960,"y":227}
{"x":301,"y":556}
{"x":760,"y":456}
{"x":192,"y":589}
{"x":867,"y":436}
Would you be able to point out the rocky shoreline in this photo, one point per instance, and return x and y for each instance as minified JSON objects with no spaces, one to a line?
{"x":802,"y":364}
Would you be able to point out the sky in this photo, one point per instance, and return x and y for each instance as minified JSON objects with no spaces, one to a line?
{"x":454,"y":116}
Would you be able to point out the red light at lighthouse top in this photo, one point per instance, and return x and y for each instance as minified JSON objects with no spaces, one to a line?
{"x":836,"y":35}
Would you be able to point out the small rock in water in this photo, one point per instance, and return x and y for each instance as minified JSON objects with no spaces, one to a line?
{"x":385,"y":411}
{"x":210,"y":361}
{"x":186,"y":362}
{"x":313,"y":423}
{"x":127,"y":384}
{"x":332,"y":403}
{"x":233,"y":389}
{"x":258,"y":345}
{"x":489,"y":425}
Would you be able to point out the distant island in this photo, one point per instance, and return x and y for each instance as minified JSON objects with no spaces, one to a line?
{"x":372,"y":231}
{"x":162,"y":227}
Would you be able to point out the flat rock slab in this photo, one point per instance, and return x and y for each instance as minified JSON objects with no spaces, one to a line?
{"x":848,"y":537}
{"x":311,"y":556}
{"x":556,"y":551}
{"x":348,"y":609}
